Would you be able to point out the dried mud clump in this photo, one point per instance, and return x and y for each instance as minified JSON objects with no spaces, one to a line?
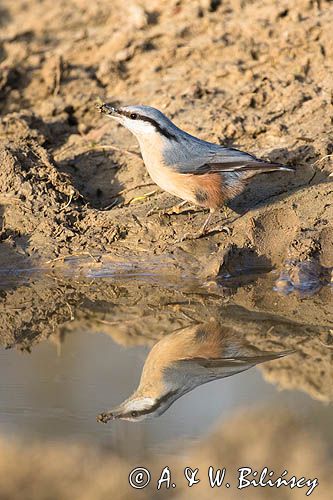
{"x":33,"y":193}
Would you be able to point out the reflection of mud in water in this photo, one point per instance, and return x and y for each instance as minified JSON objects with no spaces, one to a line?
{"x":306,"y":277}
{"x":136,"y":304}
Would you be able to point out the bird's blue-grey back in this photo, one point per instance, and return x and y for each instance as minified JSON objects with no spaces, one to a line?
{"x":185,"y":153}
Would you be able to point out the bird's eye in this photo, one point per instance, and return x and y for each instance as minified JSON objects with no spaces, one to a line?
{"x":134,"y":414}
{"x":133,"y":116}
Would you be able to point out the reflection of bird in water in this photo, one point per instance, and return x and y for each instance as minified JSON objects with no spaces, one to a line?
{"x":184,"y":360}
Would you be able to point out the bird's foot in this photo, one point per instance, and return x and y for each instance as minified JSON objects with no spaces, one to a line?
{"x":222,"y":229}
{"x":195,"y":235}
{"x":190,"y":236}
{"x":205,"y":232}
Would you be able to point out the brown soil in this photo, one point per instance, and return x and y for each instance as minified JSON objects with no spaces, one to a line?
{"x":264,"y":86}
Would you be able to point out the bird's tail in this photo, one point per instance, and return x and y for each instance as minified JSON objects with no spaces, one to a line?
{"x":265,"y":166}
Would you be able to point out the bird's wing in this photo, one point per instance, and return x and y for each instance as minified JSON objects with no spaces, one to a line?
{"x":209,"y":158}
{"x":225,"y":367}
{"x":241,"y":166}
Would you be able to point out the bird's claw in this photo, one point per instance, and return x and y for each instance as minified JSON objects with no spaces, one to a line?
{"x":224,"y":229}
{"x":192,"y":236}
{"x":206,"y":232}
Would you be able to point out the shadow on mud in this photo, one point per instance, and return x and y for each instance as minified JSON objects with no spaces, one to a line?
{"x":94,"y":175}
{"x":263,"y":189}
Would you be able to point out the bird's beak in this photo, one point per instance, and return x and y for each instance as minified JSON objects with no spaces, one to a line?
{"x":108,"y":110}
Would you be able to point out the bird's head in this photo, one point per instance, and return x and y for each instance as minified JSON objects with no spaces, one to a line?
{"x":141,"y":120}
{"x":139,"y":407}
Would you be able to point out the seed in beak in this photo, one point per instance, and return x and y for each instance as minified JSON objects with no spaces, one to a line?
{"x":105,"y":108}
{"x":105,"y":417}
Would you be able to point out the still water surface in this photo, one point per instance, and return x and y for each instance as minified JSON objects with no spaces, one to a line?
{"x":73,"y":349}
{"x":57,"y":390}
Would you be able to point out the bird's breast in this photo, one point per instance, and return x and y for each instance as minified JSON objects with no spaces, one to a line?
{"x":172,"y":182}
{"x":207,"y":190}
{"x":165,"y":177}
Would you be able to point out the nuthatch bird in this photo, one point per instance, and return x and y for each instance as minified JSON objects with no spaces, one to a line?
{"x":194,"y":170}
{"x":186,"y":359}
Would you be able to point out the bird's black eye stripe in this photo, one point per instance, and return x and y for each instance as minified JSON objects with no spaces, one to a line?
{"x":159,"y":128}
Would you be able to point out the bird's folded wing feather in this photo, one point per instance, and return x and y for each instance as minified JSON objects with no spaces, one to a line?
{"x":240,"y":360}
{"x":204,"y":159}
{"x":231,"y":366}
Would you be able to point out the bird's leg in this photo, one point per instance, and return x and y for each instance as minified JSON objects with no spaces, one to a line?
{"x":205,"y":225}
{"x":202,"y":231}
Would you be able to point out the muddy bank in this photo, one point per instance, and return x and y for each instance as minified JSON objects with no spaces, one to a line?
{"x":264,"y":86}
